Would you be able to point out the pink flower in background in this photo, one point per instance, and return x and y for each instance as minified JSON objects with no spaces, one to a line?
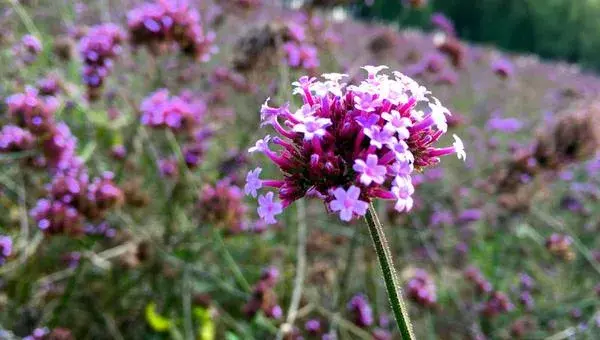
{"x":6,"y":245}
{"x":98,"y":48}
{"x":28,"y":49}
{"x":503,"y":68}
{"x":362,"y":313}
{"x":163,"y":23}
{"x":13,"y":138}
{"x":421,"y":288}
{"x":301,"y":55}
{"x":160,"y":109}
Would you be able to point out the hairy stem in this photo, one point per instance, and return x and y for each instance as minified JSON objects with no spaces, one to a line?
{"x":389,"y":274}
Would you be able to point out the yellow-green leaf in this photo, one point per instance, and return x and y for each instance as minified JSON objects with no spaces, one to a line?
{"x":207,"y":326}
{"x":156,"y":321}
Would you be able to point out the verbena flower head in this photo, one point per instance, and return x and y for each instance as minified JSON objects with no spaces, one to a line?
{"x":165,"y":22}
{"x":38,"y":334}
{"x":98,"y":48}
{"x":503,"y":68}
{"x":49,"y":86}
{"x":497,"y":303}
{"x":351,"y":144}
{"x":421,"y":289}
{"x":5,"y":248}
{"x":441,"y":22}
{"x":28,"y":48}
{"x":13,"y":138}
{"x":56,"y":217}
{"x":313,"y":326}
{"x":32,"y":111}
{"x":301,"y":55}
{"x":474,"y":275}
{"x":59,"y":150}
{"x":222,"y":205}
{"x":264,"y":297}
{"x":160,"y":109}
{"x":560,"y":245}
{"x":362,"y":313}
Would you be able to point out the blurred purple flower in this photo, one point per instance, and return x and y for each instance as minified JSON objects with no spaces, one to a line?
{"x":506,"y":125}
{"x":443,"y":23}
{"x":13,"y":138}
{"x":6,"y":245}
{"x":362,"y":314}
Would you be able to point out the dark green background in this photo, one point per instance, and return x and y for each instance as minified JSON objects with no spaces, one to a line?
{"x":556,"y":29}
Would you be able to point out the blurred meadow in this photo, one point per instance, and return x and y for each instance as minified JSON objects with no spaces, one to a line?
{"x":125,"y":210}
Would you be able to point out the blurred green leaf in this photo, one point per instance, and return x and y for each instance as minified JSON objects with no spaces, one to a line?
{"x":231,"y":336}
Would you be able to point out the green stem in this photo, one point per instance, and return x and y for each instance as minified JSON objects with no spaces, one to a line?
{"x":389,"y":274}
{"x":237,"y":272}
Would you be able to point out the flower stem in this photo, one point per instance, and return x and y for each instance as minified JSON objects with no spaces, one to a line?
{"x":389,"y":274}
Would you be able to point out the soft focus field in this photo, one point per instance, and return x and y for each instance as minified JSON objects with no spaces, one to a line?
{"x":164,"y":244}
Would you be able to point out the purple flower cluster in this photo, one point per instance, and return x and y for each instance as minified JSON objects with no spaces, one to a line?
{"x":503,"y":68}
{"x":264,"y":297}
{"x":59,"y":150}
{"x":527,"y":285}
{"x":56,"y":217}
{"x":32,"y":111}
{"x":102,"y":228}
{"x":72,"y":259}
{"x":6,"y":245}
{"x":222,"y":205}
{"x":474,"y":275}
{"x":300,"y":53}
{"x":168,"y":167}
{"x":13,"y":138}
{"x":28,"y":49}
{"x":560,"y":246}
{"x":421,"y":289}
{"x":49,"y":86}
{"x":350,"y":144}
{"x":443,"y":23}
{"x":182,"y":113}
{"x":38,"y":334}
{"x":360,"y":310}
{"x":196,"y":146}
{"x":313,"y":326}
{"x":98,"y":48}
{"x":34,"y":117}
{"x":162,"y":23}
{"x":161,"y":110}
{"x":497,"y":303}
{"x":72,"y":196}
{"x":504,"y":125}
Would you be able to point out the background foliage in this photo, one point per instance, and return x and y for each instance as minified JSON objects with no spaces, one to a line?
{"x":557,"y":29}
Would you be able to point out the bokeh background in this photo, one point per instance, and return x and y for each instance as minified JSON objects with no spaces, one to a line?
{"x":123,"y":161}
